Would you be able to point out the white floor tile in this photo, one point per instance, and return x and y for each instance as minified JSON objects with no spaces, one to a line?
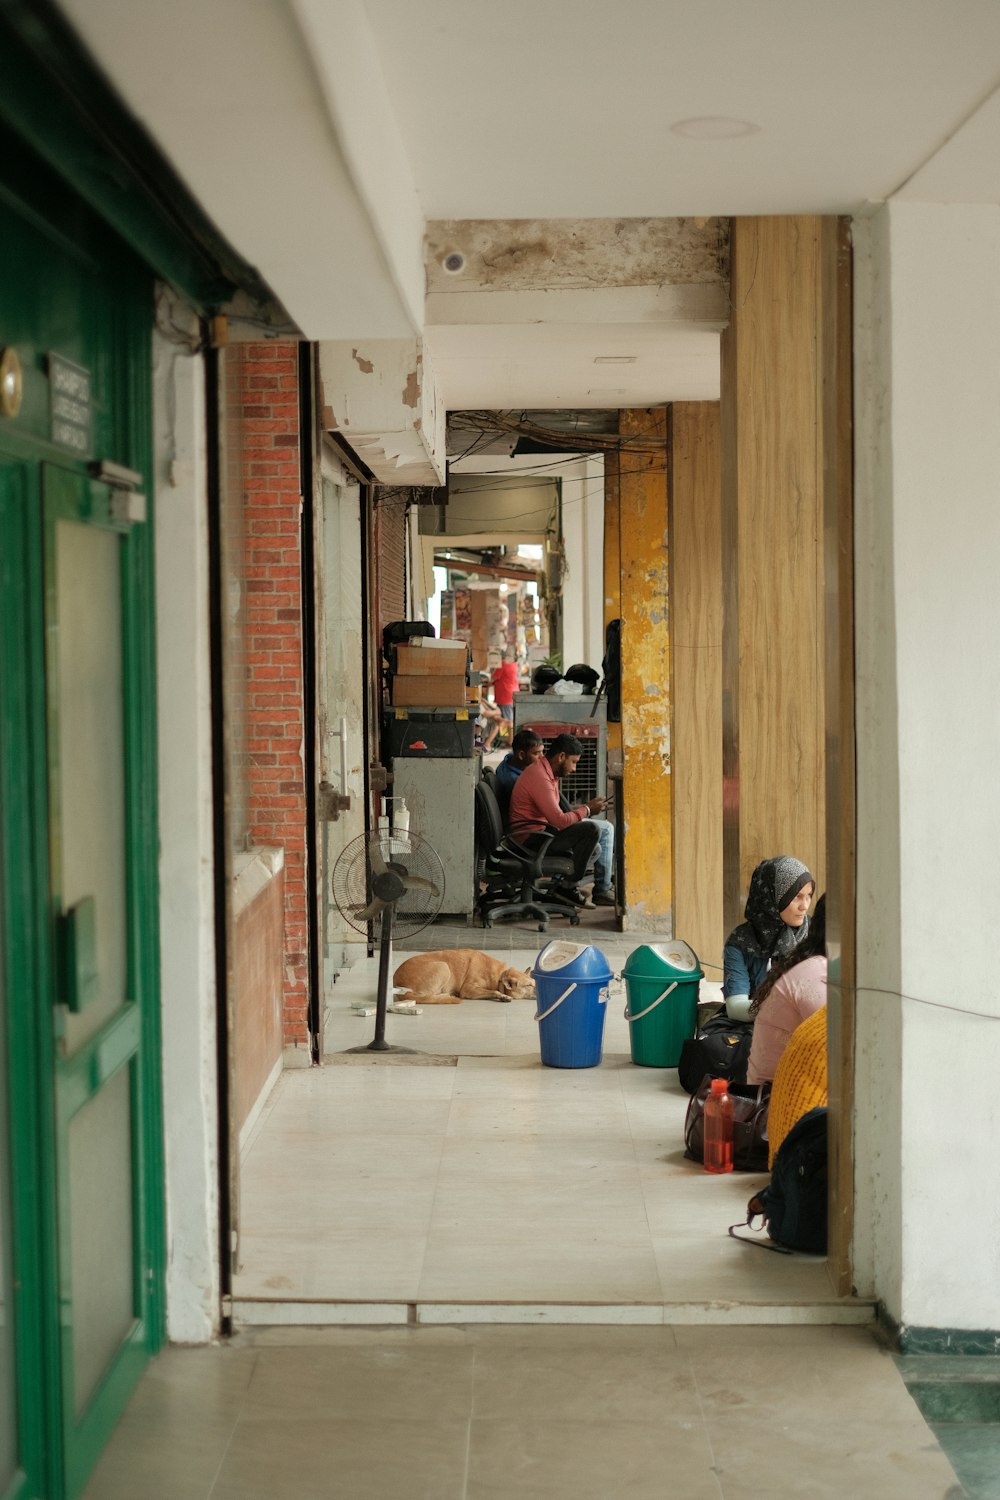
{"x":500,"y":1184}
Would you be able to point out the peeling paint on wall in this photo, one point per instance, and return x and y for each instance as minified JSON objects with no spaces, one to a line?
{"x":411,"y":390}
{"x":646,"y":689}
{"x":366,"y":366}
{"x":535,"y":254}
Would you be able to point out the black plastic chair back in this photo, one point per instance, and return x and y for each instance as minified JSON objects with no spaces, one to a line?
{"x":489,"y":824}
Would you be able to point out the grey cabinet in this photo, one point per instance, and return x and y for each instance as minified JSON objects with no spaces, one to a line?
{"x":440,"y":797}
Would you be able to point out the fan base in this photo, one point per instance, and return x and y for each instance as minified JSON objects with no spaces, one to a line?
{"x":380,"y":1047}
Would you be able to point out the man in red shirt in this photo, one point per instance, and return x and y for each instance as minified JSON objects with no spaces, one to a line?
{"x":504,"y":687}
{"x":534,"y":807}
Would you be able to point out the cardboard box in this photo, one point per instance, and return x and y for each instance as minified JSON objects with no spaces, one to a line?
{"x":431,"y":659}
{"x":428,"y":692}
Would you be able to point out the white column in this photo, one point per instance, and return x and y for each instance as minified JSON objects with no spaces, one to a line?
{"x":583,"y":544}
{"x":927,"y":405}
{"x":187,"y":926}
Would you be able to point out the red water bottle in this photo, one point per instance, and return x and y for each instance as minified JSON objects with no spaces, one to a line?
{"x":719,"y":1128}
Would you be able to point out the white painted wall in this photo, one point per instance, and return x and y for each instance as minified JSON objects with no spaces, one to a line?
{"x":380,"y":394}
{"x":341,"y":692}
{"x":583,"y":539}
{"x":187,"y":934}
{"x":928,"y":613}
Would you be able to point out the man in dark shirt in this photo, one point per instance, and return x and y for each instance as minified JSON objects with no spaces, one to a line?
{"x":525,"y":747}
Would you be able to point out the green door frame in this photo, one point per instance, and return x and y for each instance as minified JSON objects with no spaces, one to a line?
{"x":98,"y":176}
{"x":58,"y":1451}
{"x":23,"y":799}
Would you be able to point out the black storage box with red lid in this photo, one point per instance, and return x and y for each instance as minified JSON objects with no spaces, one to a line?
{"x":428,"y":732}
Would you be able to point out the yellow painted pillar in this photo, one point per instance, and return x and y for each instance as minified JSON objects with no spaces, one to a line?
{"x":642,"y":487}
{"x":612,"y":571}
{"x":696,"y":675}
{"x":772,"y":540}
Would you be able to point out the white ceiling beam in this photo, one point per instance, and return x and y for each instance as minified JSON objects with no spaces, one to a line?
{"x":346,"y":60}
{"x":229,"y":93}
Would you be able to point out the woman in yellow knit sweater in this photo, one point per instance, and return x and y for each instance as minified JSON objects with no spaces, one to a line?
{"x":800,"y":1080}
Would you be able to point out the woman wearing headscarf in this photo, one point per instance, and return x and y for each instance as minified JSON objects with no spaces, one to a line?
{"x":777,"y":919}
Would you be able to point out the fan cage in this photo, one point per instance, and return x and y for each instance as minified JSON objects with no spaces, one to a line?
{"x":410,"y":854}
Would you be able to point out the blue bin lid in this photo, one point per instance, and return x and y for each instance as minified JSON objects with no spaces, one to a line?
{"x":571,"y":961}
{"x":671,"y":960}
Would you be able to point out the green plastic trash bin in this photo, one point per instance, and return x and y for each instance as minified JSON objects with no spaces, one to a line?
{"x":661,"y":983}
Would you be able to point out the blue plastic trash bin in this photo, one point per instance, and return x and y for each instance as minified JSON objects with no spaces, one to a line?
{"x":571,"y":981}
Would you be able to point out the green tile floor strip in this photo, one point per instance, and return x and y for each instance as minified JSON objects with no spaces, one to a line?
{"x":959,"y":1398}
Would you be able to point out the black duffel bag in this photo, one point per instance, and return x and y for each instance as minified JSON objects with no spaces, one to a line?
{"x":721,"y":1049}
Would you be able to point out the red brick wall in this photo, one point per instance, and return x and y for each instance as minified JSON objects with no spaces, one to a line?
{"x":258,"y":937}
{"x":268,"y":437}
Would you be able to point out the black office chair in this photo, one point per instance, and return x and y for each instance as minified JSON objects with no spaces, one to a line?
{"x":501,"y":792}
{"x":516,"y":877}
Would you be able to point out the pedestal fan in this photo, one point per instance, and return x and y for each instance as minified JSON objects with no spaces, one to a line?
{"x":388,"y":883}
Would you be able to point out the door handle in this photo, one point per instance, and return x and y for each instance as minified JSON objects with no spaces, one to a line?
{"x":81,"y":984}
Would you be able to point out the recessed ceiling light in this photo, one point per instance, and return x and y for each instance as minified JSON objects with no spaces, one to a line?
{"x":714,"y":128}
{"x":615,"y":359}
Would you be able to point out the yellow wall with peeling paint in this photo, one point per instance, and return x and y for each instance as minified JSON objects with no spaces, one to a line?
{"x":612,"y":570}
{"x":646,"y":703}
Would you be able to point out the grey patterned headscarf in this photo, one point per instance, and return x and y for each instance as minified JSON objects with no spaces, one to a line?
{"x":773,"y":884}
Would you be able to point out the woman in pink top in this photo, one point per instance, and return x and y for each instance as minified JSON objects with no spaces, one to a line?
{"x":794,"y":989}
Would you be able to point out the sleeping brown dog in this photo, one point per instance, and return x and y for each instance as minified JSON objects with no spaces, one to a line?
{"x":447,"y":976}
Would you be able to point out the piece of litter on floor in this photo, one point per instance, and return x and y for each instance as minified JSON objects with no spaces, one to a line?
{"x":359,"y":1008}
{"x":405,"y":1008}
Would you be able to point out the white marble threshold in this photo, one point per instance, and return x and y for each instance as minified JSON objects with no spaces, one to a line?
{"x":264,"y":1312}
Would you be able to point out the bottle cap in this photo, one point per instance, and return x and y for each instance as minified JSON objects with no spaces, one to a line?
{"x":720,"y":1086}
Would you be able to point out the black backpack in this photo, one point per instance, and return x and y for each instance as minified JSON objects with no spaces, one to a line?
{"x":720,"y":1050}
{"x":793,"y":1205}
{"x":612,"y":665}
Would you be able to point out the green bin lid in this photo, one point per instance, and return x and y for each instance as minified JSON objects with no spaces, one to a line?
{"x":673,"y":960}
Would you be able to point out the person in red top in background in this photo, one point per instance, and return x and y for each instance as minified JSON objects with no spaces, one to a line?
{"x":504,"y":688}
{"x":534,"y":809}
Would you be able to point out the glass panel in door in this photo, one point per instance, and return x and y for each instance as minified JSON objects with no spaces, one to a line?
{"x":100,"y":1185}
{"x":91,"y":769}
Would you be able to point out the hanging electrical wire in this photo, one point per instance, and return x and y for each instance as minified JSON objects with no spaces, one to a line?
{"x":522,"y":426}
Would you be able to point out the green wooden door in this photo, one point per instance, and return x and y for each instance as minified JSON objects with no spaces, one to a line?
{"x":103,"y":1266}
{"x":81,"y":1222}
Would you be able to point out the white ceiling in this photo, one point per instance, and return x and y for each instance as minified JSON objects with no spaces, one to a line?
{"x":320,"y":133}
{"x":536,"y":108}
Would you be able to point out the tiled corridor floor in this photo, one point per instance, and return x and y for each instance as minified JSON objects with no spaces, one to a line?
{"x":501,"y":1413}
{"x":496,"y":1189}
{"x":431,"y":1195}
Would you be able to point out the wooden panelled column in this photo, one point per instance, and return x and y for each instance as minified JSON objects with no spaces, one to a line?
{"x":645,"y":618}
{"x":772,"y":539}
{"x":696,"y":675}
